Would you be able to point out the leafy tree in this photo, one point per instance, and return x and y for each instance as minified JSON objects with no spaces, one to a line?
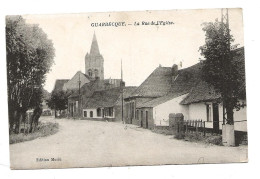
{"x":219,"y":68}
{"x":29,"y":57}
{"x":58,"y":100}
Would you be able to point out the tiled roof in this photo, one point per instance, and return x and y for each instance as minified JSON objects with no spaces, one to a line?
{"x":157,"y":84}
{"x":59,"y":84}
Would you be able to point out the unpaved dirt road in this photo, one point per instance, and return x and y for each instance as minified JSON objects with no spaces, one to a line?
{"x":82,"y":143}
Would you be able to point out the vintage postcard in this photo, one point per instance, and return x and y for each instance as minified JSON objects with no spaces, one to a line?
{"x":126,"y":88}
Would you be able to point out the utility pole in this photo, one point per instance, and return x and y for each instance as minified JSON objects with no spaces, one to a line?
{"x":225,"y":29}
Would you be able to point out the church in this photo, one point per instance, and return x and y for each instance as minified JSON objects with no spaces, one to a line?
{"x":91,"y":95}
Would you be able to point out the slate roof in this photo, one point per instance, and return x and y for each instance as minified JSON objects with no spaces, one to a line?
{"x":156,"y":85}
{"x":59,"y":84}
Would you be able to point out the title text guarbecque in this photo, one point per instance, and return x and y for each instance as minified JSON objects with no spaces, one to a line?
{"x":136,"y":23}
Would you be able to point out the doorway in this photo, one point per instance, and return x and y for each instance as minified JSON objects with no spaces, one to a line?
{"x":215,"y":118}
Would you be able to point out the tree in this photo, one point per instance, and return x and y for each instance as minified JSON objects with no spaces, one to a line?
{"x":29,"y":57}
{"x":219,"y":68}
{"x":58,"y":100}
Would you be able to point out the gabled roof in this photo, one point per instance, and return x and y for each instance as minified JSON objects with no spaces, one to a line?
{"x":156,"y":85}
{"x":73,"y":83}
{"x":59,"y":84}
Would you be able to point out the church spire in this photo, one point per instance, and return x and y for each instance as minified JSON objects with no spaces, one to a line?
{"x":94,"y":50}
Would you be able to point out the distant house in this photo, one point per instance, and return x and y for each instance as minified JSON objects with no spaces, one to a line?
{"x":189,"y":95}
{"x":75,"y":102}
{"x":106,"y":104}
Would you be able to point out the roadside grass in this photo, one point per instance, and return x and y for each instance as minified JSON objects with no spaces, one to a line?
{"x":208,"y":138}
{"x":43,"y":130}
{"x":192,"y":137}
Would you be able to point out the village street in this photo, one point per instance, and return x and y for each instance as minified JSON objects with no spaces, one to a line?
{"x":83,"y":143}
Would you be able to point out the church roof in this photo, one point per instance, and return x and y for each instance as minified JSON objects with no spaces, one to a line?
{"x":94,"y":50}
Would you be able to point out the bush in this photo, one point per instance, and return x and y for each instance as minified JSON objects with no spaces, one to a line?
{"x":43,"y":129}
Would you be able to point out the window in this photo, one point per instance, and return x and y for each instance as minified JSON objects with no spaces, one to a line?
{"x":85,"y":114}
{"x":98,"y":112}
{"x":110,"y":112}
{"x":208,"y":108}
{"x":91,"y":113}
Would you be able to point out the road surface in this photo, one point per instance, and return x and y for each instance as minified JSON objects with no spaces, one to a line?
{"x":83,"y":143}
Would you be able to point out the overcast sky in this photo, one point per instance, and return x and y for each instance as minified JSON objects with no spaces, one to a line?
{"x":141,"y":48}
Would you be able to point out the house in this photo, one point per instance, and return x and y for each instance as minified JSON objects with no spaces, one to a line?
{"x":106,"y":104}
{"x":155,"y":112}
{"x":75,"y":102}
{"x":156,"y":85}
{"x":189,"y":95}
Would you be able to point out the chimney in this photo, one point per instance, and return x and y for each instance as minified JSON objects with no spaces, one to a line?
{"x":174,"y":72}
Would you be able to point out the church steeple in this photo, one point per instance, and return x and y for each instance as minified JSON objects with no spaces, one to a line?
{"x":94,"y":62}
{"x":94,"y":50}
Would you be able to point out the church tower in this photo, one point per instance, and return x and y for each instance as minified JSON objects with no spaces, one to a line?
{"x":94,"y":62}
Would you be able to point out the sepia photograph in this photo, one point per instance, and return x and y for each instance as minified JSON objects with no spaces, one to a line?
{"x":130,"y":88}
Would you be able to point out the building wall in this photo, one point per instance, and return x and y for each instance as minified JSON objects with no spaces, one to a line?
{"x":141,"y":119}
{"x":198,"y":111}
{"x":162,"y":111}
{"x":131,"y":106}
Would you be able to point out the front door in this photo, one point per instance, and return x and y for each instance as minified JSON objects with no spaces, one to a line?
{"x":215,"y":118}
